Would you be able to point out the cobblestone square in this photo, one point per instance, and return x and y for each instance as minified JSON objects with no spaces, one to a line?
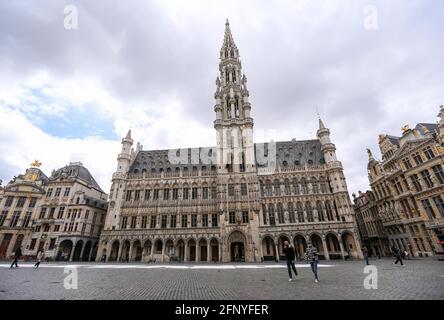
{"x":419,"y":279}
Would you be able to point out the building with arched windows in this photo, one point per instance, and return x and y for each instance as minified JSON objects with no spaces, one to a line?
{"x":236,"y":201}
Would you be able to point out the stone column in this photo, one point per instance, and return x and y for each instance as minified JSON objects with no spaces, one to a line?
{"x":152,"y":251}
{"x":108,"y":251}
{"x":220,"y":252}
{"x":197,"y":252}
{"x":82,"y":251}
{"x":341,"y":246}
{"x":119,"y":253}
{"x":163,"y":251}
{"x":324,"y":245}
{"x":277,"y":250}
{"x":130,"y":254}
{"x":91,"y":252}
{"x":185,"y":253}
{"x":208,"y":251}
{"x":71,"y":254}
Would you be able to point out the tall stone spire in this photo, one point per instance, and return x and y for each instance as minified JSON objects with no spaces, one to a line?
{"x":228,"y":38}
{"x":233,"y":124}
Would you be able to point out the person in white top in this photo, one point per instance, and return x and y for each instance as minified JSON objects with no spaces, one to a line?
{"x":40,"y":256}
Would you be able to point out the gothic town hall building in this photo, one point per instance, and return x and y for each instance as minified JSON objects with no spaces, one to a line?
{"x":238,"y":201}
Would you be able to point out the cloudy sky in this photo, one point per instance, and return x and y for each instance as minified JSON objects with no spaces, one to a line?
{"x":369,"y":67}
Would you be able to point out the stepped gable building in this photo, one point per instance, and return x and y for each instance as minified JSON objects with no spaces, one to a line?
{"x":18,"y":210}
{"x":71,"y":215}
{"x":371,"y":229}
{"x":237,"y":201}
{"x":408,"y":187}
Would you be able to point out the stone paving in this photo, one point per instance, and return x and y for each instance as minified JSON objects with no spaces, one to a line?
{"x":419,"y":279}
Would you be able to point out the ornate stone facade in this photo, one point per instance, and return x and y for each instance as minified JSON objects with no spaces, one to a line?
{"x":408,"y":186}
{"x":371,"y":228}
{"x":18,"y":210}
{"x":237,"y":201}
{"x":71,"y":215}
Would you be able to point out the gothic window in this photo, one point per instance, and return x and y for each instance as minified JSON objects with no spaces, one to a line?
{"x":291,"y":213}
{"x":300,"y":211}
{"x":214,"y":220}
{"x":268,"y":188}
{"x":264,"y":213}
{"x":184,"y":223}
{"x":271,"y":216}
{"x":234,"y":75}
{"x":296,"y":186}
{"x":314,"y":185}
{"x":320,"y":211}
{"x":287,"y":187}
{"x":232,"y":53}
{"x":205,"y":220}
{"x":232,"y":217}
{"x":309,"y":211}
{"x":280,"y":212}
{"x":329,"y":211}
{"x":277,"y":187}
{"x":304,"y":186}
{"x":245,"y":218}
{"x":230,"y":190}
{"x":244,"y":189}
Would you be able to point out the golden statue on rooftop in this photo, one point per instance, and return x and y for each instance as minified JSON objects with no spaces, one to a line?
{"x":36,"y":164}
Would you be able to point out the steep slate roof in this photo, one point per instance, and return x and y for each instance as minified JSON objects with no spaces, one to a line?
{"x":76,"y":170}
{"x":292,"y":152}
{"x":430,"y":126}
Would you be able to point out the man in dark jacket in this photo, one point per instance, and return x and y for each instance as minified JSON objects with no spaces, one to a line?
{"x":397,"y":254}
{"x":290,"y":256}
{"x":17,"y":255}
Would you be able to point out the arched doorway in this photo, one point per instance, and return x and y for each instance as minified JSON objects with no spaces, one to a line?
{"x":65,"y":249}
{"x":137,"y":251}
{"x":333,"y":247}
{"x":86,"y":251}
{"x":124,"y":256}
{"x":214,"y":250}
{"x":268,"y":249}
{"x":281,"y":241}
{"x":316,"y":242}
{"x":237,"y":243}
{"x":77,"y":251}
{"x":349,"y":245}
{"x":192,"y":250}
{"x":300,"y":246}
{"x":180,"y":250}
{"x":203,"y":250}
{"x":114,"y":251}
{"x":147,"y":250}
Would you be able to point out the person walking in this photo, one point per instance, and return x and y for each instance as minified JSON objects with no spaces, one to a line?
{"x":17,"y":256}
{"x":289,"y":257}
{"x":311,"y":256}
{"x":365,"y":254}
{"x":40,"y":256}
{"x":398,"y":256}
